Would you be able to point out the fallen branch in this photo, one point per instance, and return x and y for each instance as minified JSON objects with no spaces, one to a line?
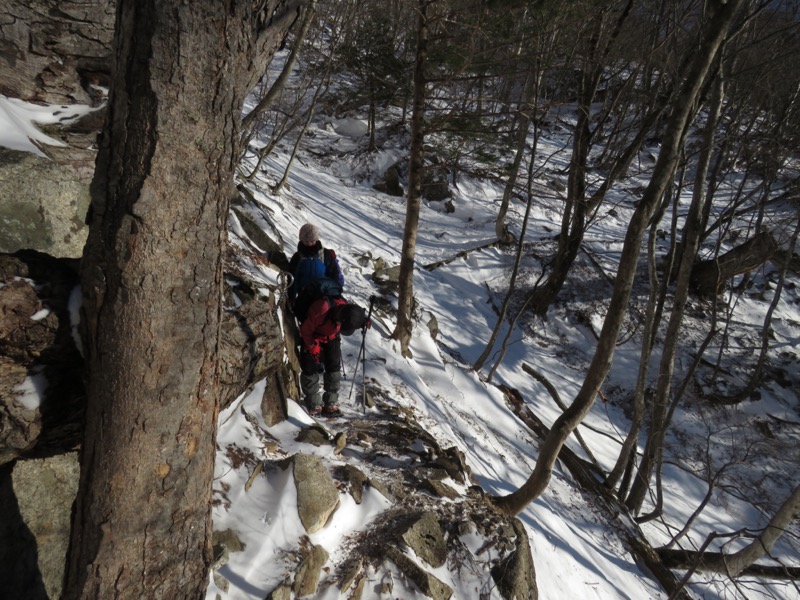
{"x":462,"y":254}
{"x":598,"y":266}
{"x":530,"y":370}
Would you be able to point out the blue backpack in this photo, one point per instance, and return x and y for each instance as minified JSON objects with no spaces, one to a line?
{"x":313,"y":267}
{"x":324,"y":287}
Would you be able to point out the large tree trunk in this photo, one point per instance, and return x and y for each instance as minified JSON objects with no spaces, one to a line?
{"x":710,"y":41}
{"x":152,"y":280}
{"x":252,"y":347}
{"x":404,"y":326}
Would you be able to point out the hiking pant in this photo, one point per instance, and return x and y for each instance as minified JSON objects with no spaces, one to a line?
{"x":330,"y":366}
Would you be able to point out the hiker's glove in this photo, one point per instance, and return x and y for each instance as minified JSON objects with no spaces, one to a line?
{"x":315,"y":352}
{"x":368,"y":324}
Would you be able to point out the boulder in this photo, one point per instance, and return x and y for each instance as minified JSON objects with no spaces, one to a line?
{"x":282,"y":592}
{"x":317,"y":495}
{"x":36,"y":503}
{"x":435,"y":185}
{"x":306,"y":579}
{"x":41,"y":388}
{"x":515,"y":575}
{"x":251,"y":345}
{"x":43,"y":205}
{"x":427,"y":583}
{"x":390,"y":183}
{"x":56,"y":51}
{"x":357,"y":480}
{"x":426,"y":539}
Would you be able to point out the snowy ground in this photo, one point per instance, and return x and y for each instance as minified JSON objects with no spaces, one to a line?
{"x":577,"y":555}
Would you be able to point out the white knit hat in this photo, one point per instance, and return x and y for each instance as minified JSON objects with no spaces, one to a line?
{"x":309,"y":234}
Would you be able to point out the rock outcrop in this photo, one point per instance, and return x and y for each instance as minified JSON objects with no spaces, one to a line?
{"x":36,"y":504}
{"x":420,"y":534}
{"x":317,"y":496}
{"x":56,"y":51}
{"x":43,"y":204}
{"x":53,"y":53}
{"x":41,"y":387}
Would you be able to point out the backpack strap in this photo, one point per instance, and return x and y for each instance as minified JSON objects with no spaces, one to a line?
{"x":332,"y":269}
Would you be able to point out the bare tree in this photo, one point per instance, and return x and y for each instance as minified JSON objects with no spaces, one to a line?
{"x":152,"y":282}
{"x":374,"y":51}
{"x":249,"y":120}
{"x":691,"y":240}
{"x":283,"y":109}
{"x":710,"y":35}
{"x":536,"y":51}
{"x":514,"y":272}
{"x":403,"y":329}
{"x":735,"y":563}
{"x":605,"y":28}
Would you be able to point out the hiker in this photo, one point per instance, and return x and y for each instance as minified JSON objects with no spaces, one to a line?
{"x":321,"y":351}
{"x":311,"y":262}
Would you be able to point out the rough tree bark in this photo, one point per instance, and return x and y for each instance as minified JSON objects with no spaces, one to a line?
{"x":152,"y":280}
{"x":709,"y":42}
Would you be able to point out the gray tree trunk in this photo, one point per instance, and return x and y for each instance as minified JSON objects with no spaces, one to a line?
{"x":735,"y":563}
{"x":248,"y":121}
{"x":405,"y":323}
{"x":577,"y":208}
{"x":709,"y":276}
{"x":692,"y":232}
{"x":524,"y":107}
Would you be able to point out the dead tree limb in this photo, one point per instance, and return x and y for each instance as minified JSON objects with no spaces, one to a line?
{"x":462,"y":254}
{"x":676,"y":558}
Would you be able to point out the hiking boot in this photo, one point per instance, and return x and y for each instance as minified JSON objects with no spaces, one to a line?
{"x":331,"y":410}
{"x":315,"y":410}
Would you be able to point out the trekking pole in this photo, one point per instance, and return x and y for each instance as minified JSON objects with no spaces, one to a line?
{"x":355,"y":372}
{"x":362,"y":357}
{"x":364,"y":364}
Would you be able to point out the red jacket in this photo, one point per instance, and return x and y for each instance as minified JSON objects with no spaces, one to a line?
{"x":319,"y":327}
